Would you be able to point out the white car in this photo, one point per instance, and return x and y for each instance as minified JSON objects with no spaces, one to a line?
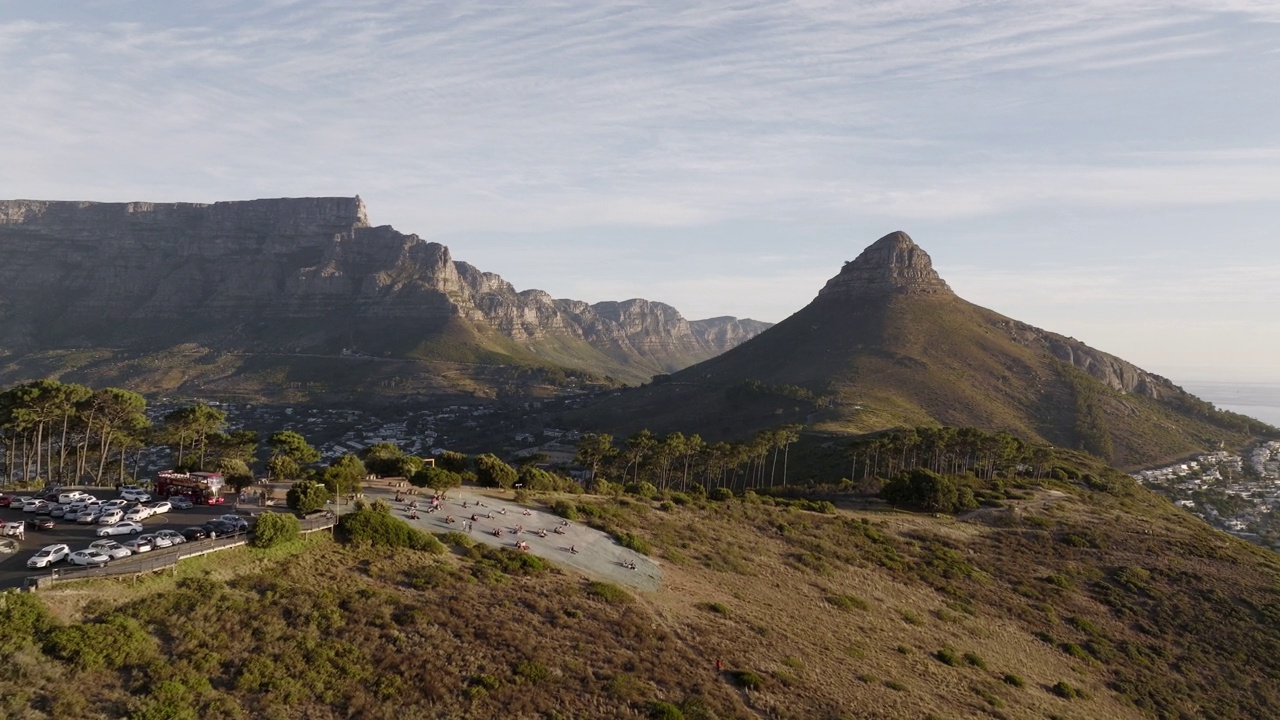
{"x":140,"y":544}
{"x":173,"y":536}
{"x":111,"y":516}
{"x":117,"y":503}
{"x":160,"y":506}
{"x":138,"y":514}
{"x":69,"y":497}
{"x":181,"y":503}
{"x":120,"y":528}
{"x":135,"y":494}
{"x":111,"y":549}
{"x":88,"y":557}
{"x":157,"y":540}
{"x":58,"y":511}
{"x":17,"y":502}
{"x":48,"y":556}
{"x":33,"y":504}
{"x":89,"y":516}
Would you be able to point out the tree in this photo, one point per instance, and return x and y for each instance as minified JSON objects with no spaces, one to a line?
{"x":275,"y":528}
{"x":344,"y":475}
{"x":492,"y":472}
{"x":289,"y":452}
{"x":594,"y":450}
{"x":383,"y":458}
{"x":923,"y":489}
{"x":237,"y":473}
{"x":452,"y":461}
{"x":307,"y":496}
{"x":437,"y":479}
{"x":192,"y":426}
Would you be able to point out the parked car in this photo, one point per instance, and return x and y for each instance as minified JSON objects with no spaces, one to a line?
{"x":46,"y":508}
{"x":135,"y":494}
{"x":48,"y":556}
{"x":120,"y":528}
{"x":240,"y":522}
{"x":33,"y":504}
{"x":173,"y":536}
{"x":140,"y":544}
{"x":195,"y":532}
{"x":43,"y":523}
{"x":160,"y":507}
{"x":58,"y":511}
{"x":181,"y":503}
{"x":157,"y":541}
{"x":117,"y":503}
{"x":89,"y":557}
{"x":71,"y":496}
{"x":5,"y":500}
{"x":89,"y":516}
{"x":50,"y":497}
{"x":138,"y":514}
{"x":17,"y":501}
{"x":220,"y":528}
{"x":111,"y":516}
{"x":111,"y":548}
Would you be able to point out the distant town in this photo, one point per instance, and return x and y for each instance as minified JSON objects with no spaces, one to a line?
{"x":1236,"y":493}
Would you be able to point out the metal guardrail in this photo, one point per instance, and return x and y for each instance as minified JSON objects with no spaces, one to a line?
{"x":160,"y":559}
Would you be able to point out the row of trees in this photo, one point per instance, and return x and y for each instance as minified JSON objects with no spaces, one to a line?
{"x":945,"y":451}
{"x":677,"y":461}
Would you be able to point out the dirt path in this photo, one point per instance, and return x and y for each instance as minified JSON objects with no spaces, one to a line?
{"x":599,"y":555}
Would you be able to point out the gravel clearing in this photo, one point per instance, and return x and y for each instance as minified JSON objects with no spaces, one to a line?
{"x":598,"y":555}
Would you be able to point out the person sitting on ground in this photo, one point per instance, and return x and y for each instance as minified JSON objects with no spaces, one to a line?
{"x":503,"y":511}
{"x":474,"y":517}
{"x":490,"y":515}
{"x":528,"y":512}
{"x":573,"y":549}
{"x":448,"y":519}
{"x":464,"y":504}
{"x":559,"y":530}
{"x":542,"y":532}
{"x":497,"y":532}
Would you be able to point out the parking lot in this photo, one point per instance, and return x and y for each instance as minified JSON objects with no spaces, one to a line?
{"x":13,"y":566}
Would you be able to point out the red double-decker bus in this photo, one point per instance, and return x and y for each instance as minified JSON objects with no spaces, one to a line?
{"x":201,"y":488}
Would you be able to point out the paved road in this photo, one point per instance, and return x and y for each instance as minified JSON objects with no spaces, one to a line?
{"x":13,"y":566}
{"x":599,"y":555}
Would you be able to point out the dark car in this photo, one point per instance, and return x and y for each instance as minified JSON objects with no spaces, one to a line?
{"x":51,"y":496}
{"x":5,"y":500}
{"x":195,"y":532}
{"x":43,"y":523}
{"x":220,"y":528}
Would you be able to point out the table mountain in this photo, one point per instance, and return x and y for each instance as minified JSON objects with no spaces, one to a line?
{"x":106,"y":286}
{"x":887,"y":343}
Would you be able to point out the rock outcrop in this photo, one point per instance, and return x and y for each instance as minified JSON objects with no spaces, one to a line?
{"x":892,"y":264}
{"x":297,"y":275}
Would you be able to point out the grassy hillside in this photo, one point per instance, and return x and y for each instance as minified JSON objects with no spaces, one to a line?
{"x":905,"y":360}
{"x":1083,"y":599}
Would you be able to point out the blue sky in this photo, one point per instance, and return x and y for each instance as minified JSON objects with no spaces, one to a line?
{"x":1106,"y":169}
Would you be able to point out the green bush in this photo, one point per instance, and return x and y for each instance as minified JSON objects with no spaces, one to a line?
{"x":1068,"y":691}
{"x":114,"y":644}
{"x":273,"y":529}
{"x":633,"y":542}
{"x":368,"y":527}
{"x":721,"y":494}
{"x":489,"y":559}
{"x":1014,"y":680}
{"x":608,"y":592}
{"x":947,"y":656}
{"x":565,"y":509}
{"x":532,"y":672}
{"x":456,"y":539}
{"x":747,"y":679}
{"x":848,"y":602}
{"x":715,"y":607}
{"x":975,"y":660}
{"x":662,"y":710}
{"x":307,"y":496}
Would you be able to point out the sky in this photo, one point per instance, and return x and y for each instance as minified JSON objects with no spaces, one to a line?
{"x":1107,"y":169}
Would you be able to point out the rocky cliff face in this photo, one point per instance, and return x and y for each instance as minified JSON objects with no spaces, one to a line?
{"x":892,"y":264}
{"x":291,"y":275}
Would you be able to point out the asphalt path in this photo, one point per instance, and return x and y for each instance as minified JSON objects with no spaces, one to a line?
{"x":598,"y":554}
{"x":13,"y":566}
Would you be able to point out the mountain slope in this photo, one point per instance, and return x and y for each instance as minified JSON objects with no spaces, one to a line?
{"x":887,"y":343}
{"x":304,"y":278}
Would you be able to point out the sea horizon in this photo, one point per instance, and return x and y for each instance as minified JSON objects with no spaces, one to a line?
{"x":1259,"y":400}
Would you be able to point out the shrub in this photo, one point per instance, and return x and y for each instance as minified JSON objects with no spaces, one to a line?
{"x":492,"y":472}
{"x":307,"y":496}
{"x":848,"y":602}
{"x":114,"y":644}
{"x":1068,"y":691}
{"x":947,"y":656}
{"x":565,"y":509}
{"x":273,"y":529}
{"x":911,"y":618}
{"x":747,"y":679}
{"x":721,"y":494}
{"x":608,"y":592}
{"x":532,"y":672}
{"x":662,"y":710}
{"x":368,"y":527}
{"x":975,"y":660}
{"x":643,"y":489}
{"x":456,"y":539}
{"x":1014,"y":680}
{"x":505,"y":561}
{"x":895,"y":685}
{"x":715,"y":607}
{"x":633,"y":542}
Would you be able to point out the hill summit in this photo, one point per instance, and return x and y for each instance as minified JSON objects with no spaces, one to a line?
{"x":892,"y":264}
{"x":886,"y":343}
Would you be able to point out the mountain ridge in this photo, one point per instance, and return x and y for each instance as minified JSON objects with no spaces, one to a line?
{"x":305,"y":276}
{"x":886,"y":343}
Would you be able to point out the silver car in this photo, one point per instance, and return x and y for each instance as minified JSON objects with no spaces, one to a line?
{"x":111,"y":549}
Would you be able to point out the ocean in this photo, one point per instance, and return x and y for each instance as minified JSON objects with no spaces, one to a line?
{"x":1259,"y":400}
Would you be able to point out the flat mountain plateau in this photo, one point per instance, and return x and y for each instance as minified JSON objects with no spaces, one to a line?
{"x":299,"y":299}
{"x":1059,"y":601}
